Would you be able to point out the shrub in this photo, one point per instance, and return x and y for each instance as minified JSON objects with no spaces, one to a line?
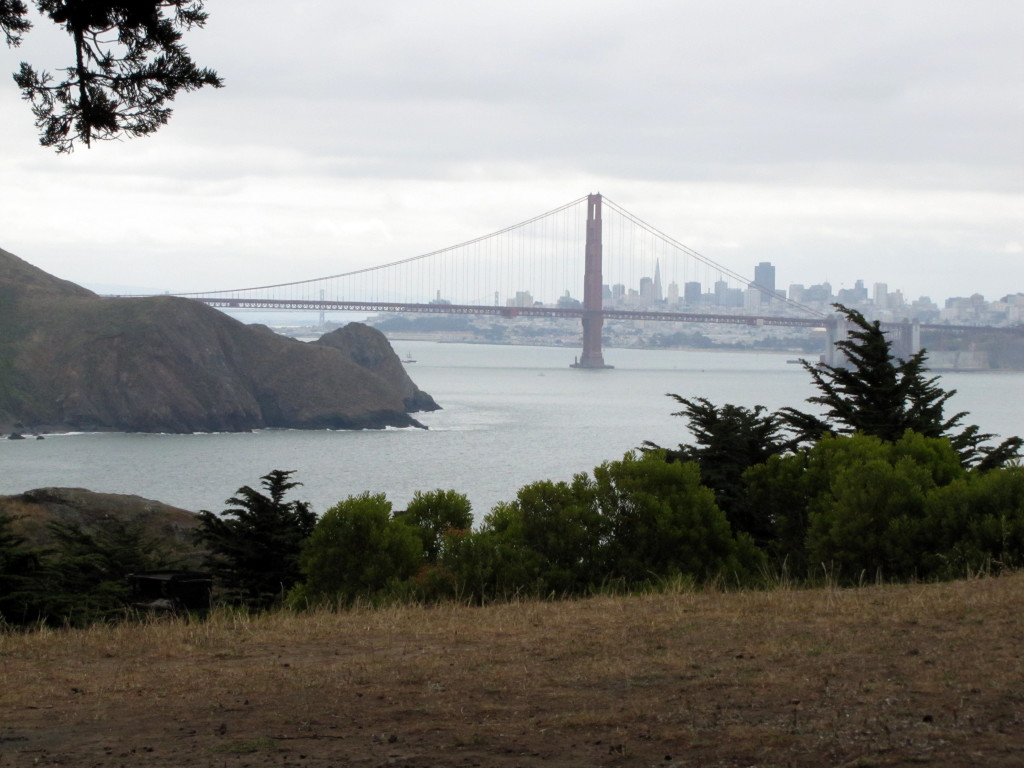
{"x":356,"y":550}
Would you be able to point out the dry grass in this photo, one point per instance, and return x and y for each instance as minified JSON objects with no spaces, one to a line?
{"x":878,"y":676}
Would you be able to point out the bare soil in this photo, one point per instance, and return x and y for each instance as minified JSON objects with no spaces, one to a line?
{"x":877,"y":676}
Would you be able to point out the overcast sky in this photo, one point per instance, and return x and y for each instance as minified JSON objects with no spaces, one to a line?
{"x":881,"y":141}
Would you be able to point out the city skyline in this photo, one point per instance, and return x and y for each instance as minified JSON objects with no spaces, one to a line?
{"x":650,"y":289}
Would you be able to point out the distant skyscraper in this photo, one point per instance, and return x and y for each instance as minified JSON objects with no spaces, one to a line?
{"x":658,"y":295}
{"x":691,"y":293}
{"x":881,"y":295}
{"x":673,"y":293}
{"x":764,"y":278}
{"x":646,"y":290}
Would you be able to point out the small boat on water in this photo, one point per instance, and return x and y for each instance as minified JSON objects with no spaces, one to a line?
{"x":408,"y":358}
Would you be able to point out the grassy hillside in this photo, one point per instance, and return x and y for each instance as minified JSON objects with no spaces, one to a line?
{"x":877,"y":676}
{"x":95,"y":513}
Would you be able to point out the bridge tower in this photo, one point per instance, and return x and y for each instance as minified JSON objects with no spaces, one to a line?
{"x":593,"y":283}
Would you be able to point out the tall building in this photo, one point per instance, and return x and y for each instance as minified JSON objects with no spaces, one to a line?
{"x":691,"y":293}
{"x":646,"y":290}
{"x":764,"y":278}
{"x":881,"y":295}
{"x":658,"y":295}
{"x":673,"y":293}
{"x":726,"y":296}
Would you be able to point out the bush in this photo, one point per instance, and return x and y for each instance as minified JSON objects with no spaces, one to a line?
{"x":356,"y":550}
{"x":433,"y":515}
{"x":662,"y":523}
{"x":864,"y":507}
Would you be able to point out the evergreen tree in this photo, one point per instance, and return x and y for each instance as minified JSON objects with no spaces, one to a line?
{"x":80,"y":579}
{"x":727,"y":441}
{"x":254,"y":545}
{"x":876,"y":394}
{"x":129,"y":63}
{"x":84,"y":578}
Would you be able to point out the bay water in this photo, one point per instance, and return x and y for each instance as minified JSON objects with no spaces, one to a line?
{"x":511,"y":415}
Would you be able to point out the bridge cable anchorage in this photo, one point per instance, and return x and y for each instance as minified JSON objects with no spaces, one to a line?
{"x":700,"y":257}
{"x":400,"y":262}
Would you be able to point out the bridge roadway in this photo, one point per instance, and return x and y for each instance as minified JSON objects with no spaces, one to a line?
{"x":507,"y":312}
{"x":228,"y":302}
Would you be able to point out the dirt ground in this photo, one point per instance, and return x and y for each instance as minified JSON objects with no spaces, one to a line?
{"x":878,"y":676}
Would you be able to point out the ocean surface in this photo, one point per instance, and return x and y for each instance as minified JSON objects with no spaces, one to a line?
{"x":511,"y":416}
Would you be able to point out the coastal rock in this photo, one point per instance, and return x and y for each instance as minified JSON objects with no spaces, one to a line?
{"x":370,"y":349}
{"x":72,"y":360}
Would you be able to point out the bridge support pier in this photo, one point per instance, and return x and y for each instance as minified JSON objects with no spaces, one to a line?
{"x":905,"y":338}
{"x":837,"y":328}
{"x":593,"y":287}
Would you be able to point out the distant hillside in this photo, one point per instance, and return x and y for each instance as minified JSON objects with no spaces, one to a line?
{"x":96,"y":513}
{"x":71,"y":360}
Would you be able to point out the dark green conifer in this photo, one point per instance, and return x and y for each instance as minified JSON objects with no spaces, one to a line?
{"x":875,"y":393}
{"x":129,"y":64}
{"x":727,"y":441}
{"x":254,"y":544}
{"x":19,"y":576}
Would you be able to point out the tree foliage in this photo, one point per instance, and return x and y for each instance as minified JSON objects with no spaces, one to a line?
{"x":86,"y":579}
{"x":663,"y":523}
{"x":19,"y":575}
{"x":549,"y":539}
{"x":254,"y":544}
{"x":129,"y":64}
{"x":80,"y":579}
{"x":637,"y":521}
{"x":435,"y":515}
{"x":728,"y":440}
{"x":861,"y":507}
{"x":875,"y":393}
{"x":357,"y":549}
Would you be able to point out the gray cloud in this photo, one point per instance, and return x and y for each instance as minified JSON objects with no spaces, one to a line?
{"x":875,"y":137}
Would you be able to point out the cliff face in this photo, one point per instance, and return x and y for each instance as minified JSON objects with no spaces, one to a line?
{"x":361,"y":344}
{"x":71,"y":360}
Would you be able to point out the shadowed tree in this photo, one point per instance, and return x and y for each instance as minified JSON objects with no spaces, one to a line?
{"x":254,"y":545}
{"x":85,"y":575}
{"x":129,"y":64}
{"x":20,"y":574}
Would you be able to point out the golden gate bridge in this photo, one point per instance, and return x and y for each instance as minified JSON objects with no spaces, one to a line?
{"x":534,"y":269}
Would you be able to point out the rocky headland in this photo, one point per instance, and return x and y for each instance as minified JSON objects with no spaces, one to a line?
{"x":71,"y":360}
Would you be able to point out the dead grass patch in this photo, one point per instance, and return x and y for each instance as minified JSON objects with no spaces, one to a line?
{"x":874,"y":676}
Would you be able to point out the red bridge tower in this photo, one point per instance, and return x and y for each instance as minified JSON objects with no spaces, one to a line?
{"x":593,"y":286}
